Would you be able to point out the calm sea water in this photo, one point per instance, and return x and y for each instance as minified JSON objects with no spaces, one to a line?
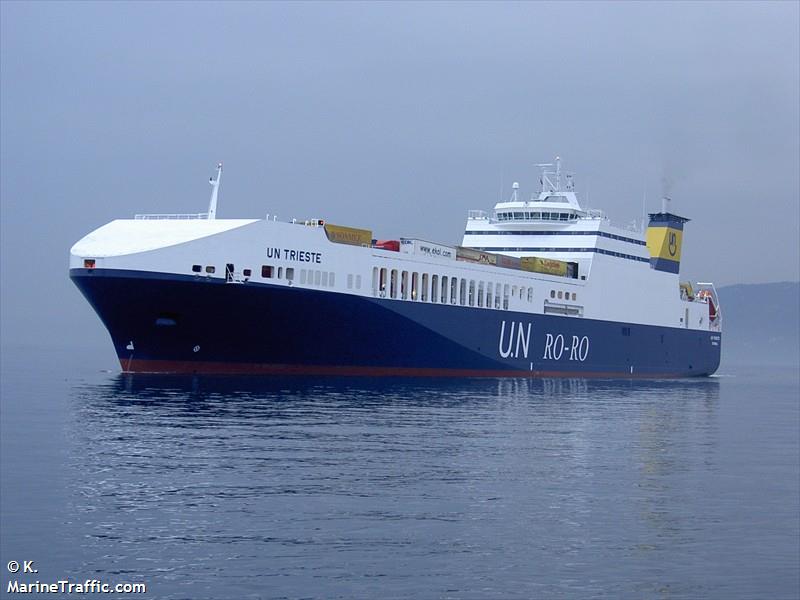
{"x":401,"y":488}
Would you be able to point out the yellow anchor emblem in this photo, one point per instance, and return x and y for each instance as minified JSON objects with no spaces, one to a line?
{"x":673,"y":243}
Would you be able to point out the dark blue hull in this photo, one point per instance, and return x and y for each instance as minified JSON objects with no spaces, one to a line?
{"x":174,"y":323}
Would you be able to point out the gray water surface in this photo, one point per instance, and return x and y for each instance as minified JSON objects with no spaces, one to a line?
{"x":401,"y":488}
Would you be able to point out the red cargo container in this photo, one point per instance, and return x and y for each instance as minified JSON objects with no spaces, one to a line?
{"x":393,"y":245}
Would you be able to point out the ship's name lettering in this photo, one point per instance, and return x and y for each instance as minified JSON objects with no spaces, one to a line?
{"x":295,"y":255}
{"x":556,"y":348}
{"x":517,"y":346}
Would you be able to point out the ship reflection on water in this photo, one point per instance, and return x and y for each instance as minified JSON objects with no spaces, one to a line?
{"x":331,"y":481}
{"x":145,"y":388}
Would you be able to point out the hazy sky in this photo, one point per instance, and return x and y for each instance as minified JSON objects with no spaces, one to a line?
{"x":395,"y":117}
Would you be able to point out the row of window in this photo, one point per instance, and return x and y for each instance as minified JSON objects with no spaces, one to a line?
{"x":270,"y":272}
{"x":267,"y":271}
{"x":199,"y":268}
{"x":210,"y":269}
{"x":327,"y":279}
{"x":307,"y":276}
{"x":426,"y":288}
{"x":318,"y":278}
{"x":536,"y":216}
{"x":351,"y":280}
{"x":563,"y":295}
{"x":423,"y":287}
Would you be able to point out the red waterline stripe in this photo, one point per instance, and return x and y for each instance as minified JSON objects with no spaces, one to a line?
{"x":226,"y":368}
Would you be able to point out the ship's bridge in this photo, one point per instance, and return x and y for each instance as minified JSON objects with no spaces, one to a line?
{"x":552,"y":224}
{"x":549,"y":206}
{"x":556,"y":201}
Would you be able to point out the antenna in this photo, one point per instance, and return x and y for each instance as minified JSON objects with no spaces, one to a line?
{"x":514,"y":187}
{"x":558,"y":173}
{"x":543,"y":179}
{"x":644,"y":207}
{"x":212,"y":206}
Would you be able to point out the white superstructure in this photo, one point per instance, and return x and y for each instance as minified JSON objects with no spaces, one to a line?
{"x":614,"y":280}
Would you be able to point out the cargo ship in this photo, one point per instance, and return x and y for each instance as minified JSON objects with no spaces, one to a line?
{"x":539,"y":287}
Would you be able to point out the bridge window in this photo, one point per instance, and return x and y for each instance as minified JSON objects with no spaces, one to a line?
{"x":497,"y":295}
{"x":302,"y":276}
{"x":358,"y":282}
{"x":530,"y":294}
{"x":349,"y":281}
{"x":247,"y":272}
{"x":472,"y":292}
{"x":434,"y":288}
{"x":266,"y":271}
{"x":324,"y":278}
{"x":332,"y":278}
{"x":505,"y":297}
{"x":462,"y":293}
{"x":196,"y":268}
{"x":552,"y":293}
{"x":415,"y":286}
{"x":453,"y":289}
{"x":574,"y":296}
{"x":393,"y":284}
{"x":290,"y":273}
{"x":317,"y":277}
{"x":560,"y":294}
{"x":536,"y":215}
{"x":425,"y":283}
{"x":404,"y":285}
{"x":489,"y":295}
{"x":480,"y":294}
{"x":443,"y":299}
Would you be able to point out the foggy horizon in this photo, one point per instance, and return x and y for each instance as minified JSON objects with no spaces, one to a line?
{"x":397,"y":118}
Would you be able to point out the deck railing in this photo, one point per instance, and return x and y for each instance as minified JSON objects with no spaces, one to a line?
{"x":173,"y":216}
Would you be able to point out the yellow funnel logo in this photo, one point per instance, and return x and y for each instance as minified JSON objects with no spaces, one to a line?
{"x":673,"y":243}
{"x":664,"y":240}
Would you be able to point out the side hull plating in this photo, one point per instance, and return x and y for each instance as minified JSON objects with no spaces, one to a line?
{"x":186,"y":324}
